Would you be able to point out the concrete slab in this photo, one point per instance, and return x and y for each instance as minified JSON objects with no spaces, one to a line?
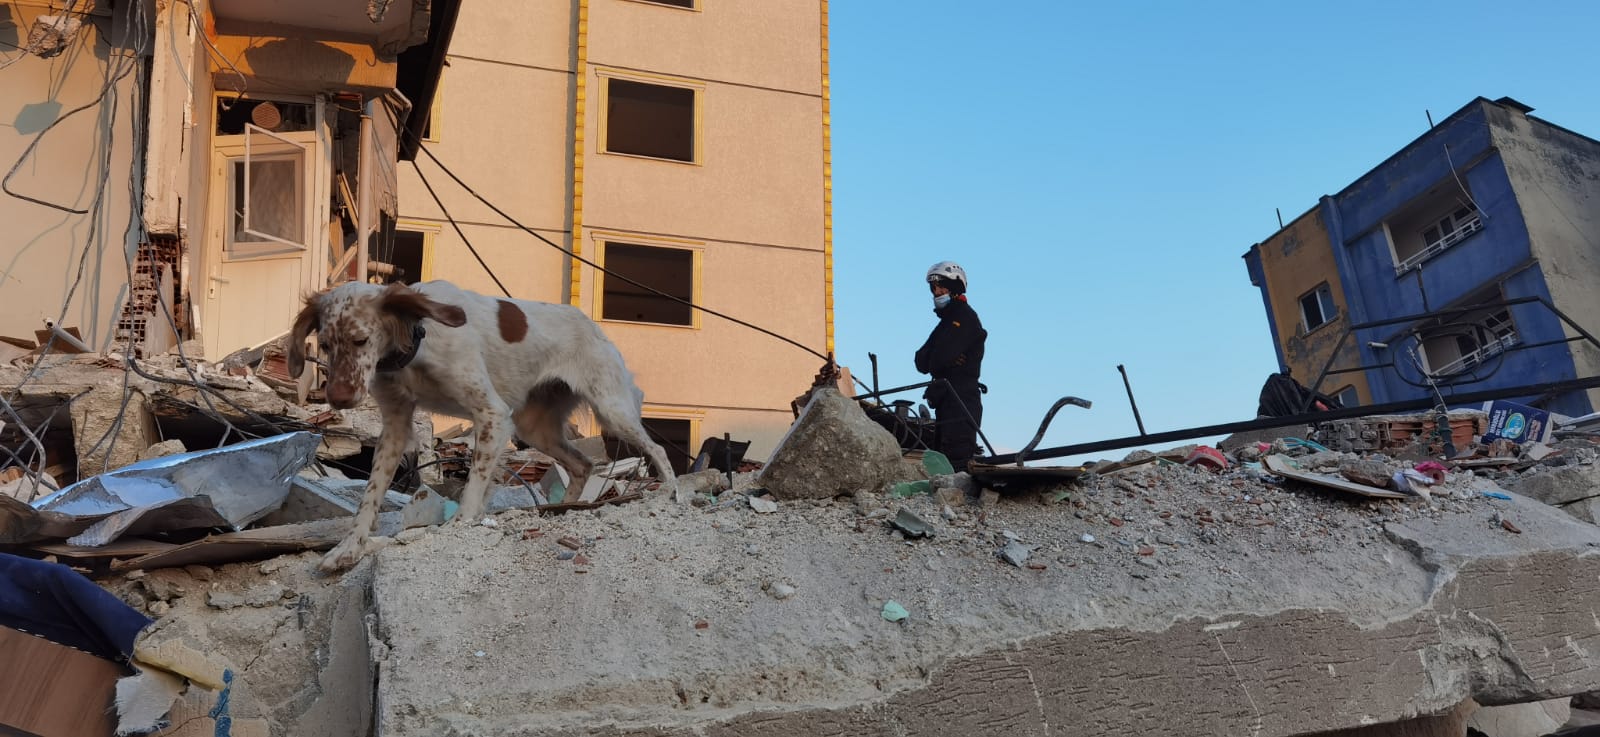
{"x":1313,"y":614}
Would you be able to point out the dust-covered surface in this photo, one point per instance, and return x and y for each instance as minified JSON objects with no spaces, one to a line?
{"x":670,"y":616}
{"x":294,"y":638}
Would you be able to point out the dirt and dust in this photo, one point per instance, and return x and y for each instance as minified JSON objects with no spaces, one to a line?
{"x":654,"y":614}
{"x":666,"y":613}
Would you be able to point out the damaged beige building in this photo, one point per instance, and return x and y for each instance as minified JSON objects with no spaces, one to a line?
{"x":191,"y":170}
{"x":682,"y":144}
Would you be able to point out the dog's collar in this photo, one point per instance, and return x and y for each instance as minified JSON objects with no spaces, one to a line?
{"x":396,"y":360}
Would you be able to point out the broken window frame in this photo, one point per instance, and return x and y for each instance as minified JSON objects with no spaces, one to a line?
{"x":301,"y":156}
{"x":696,"y":88}
{"x":1325,"y":304}
{"x":314,"y":163}
{"x":604,"y":243}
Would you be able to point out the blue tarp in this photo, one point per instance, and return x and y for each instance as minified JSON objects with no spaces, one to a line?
{"x":54,"y":602}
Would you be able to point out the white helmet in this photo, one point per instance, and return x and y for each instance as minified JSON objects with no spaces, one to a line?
{"x":948,"y":270}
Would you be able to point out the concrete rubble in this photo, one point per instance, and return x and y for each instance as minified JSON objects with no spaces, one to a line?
{"x":811,"y":597}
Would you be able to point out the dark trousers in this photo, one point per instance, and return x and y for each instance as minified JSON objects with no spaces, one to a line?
{"x":957,"y":435}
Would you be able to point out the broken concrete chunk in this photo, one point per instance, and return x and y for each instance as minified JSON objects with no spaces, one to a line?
{"x":96,"y":414}
{"x":833,"y":448}
{"x":1015,"y":553}
{"x":961,"y":482}
{"x":1367,"y":471}
{"x":763,"y":505}
{"x":426,"y":508}
{"x":1558,"y":485}
{"x":709,"y":481}
{"x":913,"y":526}
{"x":163,"y":448}
{"x":52,"y":34}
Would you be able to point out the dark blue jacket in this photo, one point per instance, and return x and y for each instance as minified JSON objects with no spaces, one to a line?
{"x":954,"y":350}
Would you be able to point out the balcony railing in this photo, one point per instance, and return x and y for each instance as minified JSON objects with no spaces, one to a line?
{"x":1437,"y":247}
{"x":1478,"y":356}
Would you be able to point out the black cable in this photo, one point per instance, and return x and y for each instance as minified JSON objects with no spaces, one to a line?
{"x":457,"y":228}
{"x":598,"y":267}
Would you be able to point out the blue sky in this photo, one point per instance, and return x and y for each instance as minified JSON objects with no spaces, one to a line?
{"x":1099,"y":168}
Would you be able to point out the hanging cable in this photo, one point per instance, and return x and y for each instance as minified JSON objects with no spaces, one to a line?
{"x":457,"y":229}
{"x":598,"y":267}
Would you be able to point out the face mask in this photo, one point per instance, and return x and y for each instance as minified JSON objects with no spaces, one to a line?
{"x":940,"y":301}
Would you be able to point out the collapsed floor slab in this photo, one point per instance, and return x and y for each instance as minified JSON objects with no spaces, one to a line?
{"x":1337,"y":616}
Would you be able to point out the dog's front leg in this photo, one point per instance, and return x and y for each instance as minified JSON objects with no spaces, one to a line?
{"x":396,"y":412}
{"x":493,"y":426}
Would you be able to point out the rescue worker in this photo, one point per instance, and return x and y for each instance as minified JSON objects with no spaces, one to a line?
{"x":954,"y":352}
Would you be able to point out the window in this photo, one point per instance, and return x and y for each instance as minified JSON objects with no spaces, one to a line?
{"x":267,"y":192}
{"x":674,"y":3}
{"x":669,"y":270}
{"x":652,"y":120}
{"x":409,"y":249}
{"x":1451,"y":228}
{"x":1317,"y":308}
{"x":1348,"y":397}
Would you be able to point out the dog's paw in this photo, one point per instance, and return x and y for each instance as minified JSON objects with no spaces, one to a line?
{"x":344,"y":555}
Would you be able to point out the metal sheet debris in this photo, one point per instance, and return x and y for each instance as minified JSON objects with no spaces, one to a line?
{"x":230,"y":486}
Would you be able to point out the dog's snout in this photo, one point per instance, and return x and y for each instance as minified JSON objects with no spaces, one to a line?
{"x":342,"y":395}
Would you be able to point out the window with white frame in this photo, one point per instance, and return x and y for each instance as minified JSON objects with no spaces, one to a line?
{"x":267,"y":193}
{"x":1450,"y":228}
{"x":1317,"y":308}
{"x":263,"y":177}
{"x":1464,"y":345}
{"x":1444,"y":217}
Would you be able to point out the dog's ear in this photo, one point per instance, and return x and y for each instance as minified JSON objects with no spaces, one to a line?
{"x":304,"y":323}
{"x":401,"y":300}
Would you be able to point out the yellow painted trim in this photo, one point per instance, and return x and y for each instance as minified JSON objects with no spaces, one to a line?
{"x":579,"y":105}
{"x":827,"y":189}
{"x":430,"y":232}
{"x":697,"y":157}
{"x":436,"y":112}
{"x":696,"y":248}
{"x":695,"y":417}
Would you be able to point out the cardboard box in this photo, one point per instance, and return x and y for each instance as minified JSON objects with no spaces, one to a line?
{"x":50,"y":690}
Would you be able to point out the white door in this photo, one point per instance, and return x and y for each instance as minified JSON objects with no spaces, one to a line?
{"x":267,"y":248}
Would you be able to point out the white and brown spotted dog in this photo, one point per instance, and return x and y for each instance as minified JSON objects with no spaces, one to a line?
{"x":504,"y":363}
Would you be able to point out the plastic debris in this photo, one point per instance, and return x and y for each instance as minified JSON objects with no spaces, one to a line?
{"x":936,"y":464}
{"x":893,"y":612}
